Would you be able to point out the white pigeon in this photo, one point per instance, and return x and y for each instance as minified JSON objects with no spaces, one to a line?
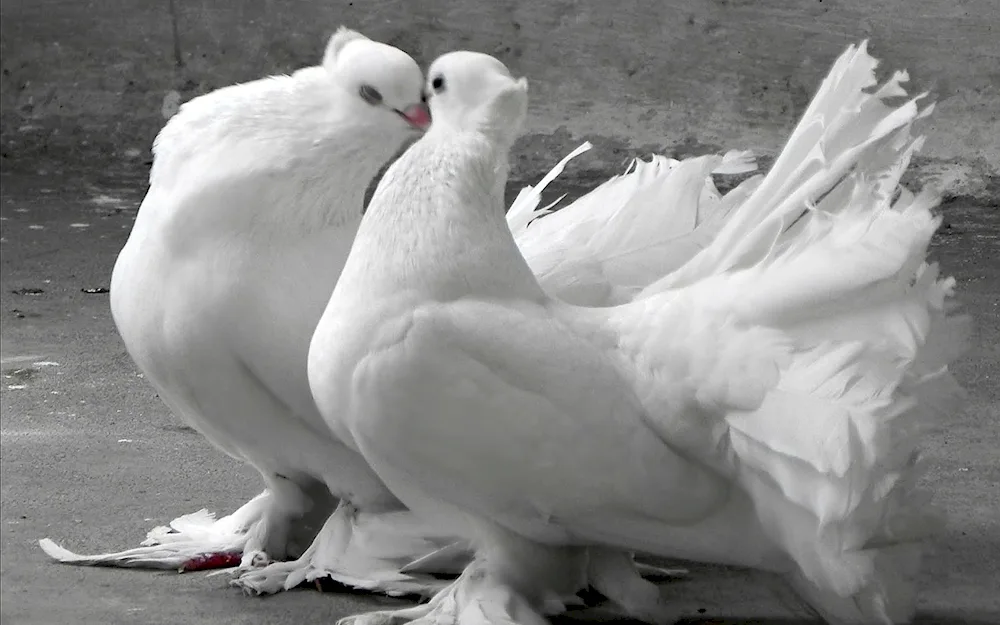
{"x":762,"y":405}
{"x":255,"y":197}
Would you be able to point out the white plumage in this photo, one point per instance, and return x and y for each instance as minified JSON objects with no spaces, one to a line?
{"x":255,"y":197}
{"x":761,"y":405}
{"x":606,"y":246}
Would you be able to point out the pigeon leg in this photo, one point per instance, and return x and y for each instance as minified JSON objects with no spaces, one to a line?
{"x":278,"y":576}
{"x":476,"y":597}
{"x":512,"y":581}
{"x":267,"y":540}
{"x":613,"y":573}
{"x":330,"y":556}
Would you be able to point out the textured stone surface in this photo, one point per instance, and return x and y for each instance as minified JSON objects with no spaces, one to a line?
{"x":673,"y":75}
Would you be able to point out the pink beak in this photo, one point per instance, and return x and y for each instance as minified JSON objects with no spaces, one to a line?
{"x":418,"y":115}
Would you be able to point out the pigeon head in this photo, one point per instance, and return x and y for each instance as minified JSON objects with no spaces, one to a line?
{"x":474,"y":92}
{"x":384,"y":85}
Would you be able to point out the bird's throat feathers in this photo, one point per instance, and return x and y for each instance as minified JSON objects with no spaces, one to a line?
{"x":437,"y":219}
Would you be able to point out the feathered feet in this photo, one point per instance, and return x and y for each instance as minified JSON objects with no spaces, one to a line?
{"x":477,"y":597}
{"x":508,"y":588}
{"x":362,"y":551}
{"x":454,"y":557}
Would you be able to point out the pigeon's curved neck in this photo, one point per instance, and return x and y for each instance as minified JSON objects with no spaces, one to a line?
{"x":345,"y":166}
{"x":323,"y":156}
{"x":437,"y":223}
{"x":281,"y":157}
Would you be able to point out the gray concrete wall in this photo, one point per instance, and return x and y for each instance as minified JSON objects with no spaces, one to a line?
{"x":81,"y":77}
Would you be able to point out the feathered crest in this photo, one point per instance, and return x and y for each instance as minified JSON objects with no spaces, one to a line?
{"x":338,"y":40}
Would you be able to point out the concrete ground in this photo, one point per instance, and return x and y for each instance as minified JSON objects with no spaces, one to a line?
{"x":92,"y":459}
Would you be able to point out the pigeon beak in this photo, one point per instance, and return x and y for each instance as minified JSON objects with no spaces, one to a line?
{"x":417,"y":115}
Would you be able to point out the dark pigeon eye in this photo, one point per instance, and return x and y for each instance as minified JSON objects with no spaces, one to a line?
{"x":370,"y":94}
{"x":438,"y":84}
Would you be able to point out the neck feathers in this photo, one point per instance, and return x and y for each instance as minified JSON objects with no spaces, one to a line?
{"x":439,"y":216}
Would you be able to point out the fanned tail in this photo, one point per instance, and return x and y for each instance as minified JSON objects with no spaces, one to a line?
{"x":608,"y":245}
{"x":830,"y":252}
{"x":845,"y":128}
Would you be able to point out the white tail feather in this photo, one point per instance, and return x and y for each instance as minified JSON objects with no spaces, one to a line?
{"x":172,"y":556}
{"x":606,"y":246}
{"x":821,"y":253}
{"x":842,"y":128}
{"x":175,"y":546}
{"x":522,"y":210}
